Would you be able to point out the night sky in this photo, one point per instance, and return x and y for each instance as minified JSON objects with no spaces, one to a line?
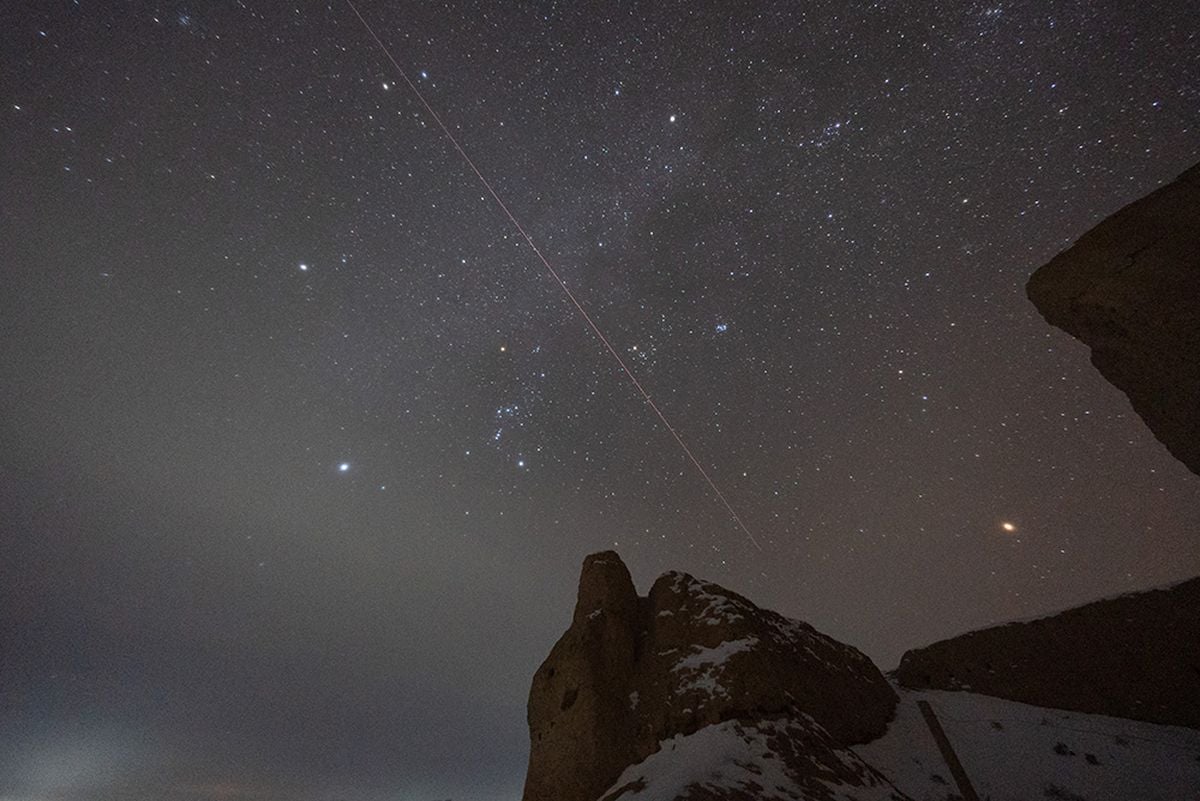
{"x":301,"y":448}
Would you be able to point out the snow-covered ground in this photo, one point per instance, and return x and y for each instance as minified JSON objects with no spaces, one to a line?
{"x":1010,"y":752}
{"x":1017,"y":752}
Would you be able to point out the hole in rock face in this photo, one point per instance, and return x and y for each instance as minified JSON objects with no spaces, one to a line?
{"x":569,"y":698}
{"x":550,"y":673}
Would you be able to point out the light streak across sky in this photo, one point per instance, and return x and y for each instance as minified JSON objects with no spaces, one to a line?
{"x":558,"y":279}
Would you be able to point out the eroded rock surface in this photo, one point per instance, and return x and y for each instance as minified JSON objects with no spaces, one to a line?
{"x":1130,"y":290}
{"x":1136,"y":656}
{"x":632,"y":673}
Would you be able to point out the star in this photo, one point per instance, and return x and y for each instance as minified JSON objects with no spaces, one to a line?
{"x":344,"y":467}
{"x":303,"y":267}
{"x":1007,"y":526}
{"x":672,"y":119}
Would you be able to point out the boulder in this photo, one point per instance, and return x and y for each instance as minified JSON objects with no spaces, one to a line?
{"x":1130,"y":290}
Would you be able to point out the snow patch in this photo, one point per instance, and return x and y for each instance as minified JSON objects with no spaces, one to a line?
{"x":717,"y":606}
{"x":724,"y":756}
{"x":707,"y":664}
{"x":714,"y":657}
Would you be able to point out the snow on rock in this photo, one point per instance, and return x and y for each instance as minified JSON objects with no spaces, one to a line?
{"x":718,"y":605}
{"x":733,"y":655}
{"x":770,"y":760}
{"x":724,"y":755}
{"x":702,"y":669}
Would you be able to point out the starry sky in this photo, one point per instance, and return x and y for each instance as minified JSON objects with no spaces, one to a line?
{"x":301,"y":448}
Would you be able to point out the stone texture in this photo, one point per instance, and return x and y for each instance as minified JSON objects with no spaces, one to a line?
{"x":1130,"y":290}
{"x":1136,"y":656}
{"x":581,"y":732}
{"x":633,"y":672}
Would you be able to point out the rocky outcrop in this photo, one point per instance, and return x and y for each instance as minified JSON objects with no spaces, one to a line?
{"x":1136,"y":656}
{"x":633,"y":677}
{"x":1130,"y":290}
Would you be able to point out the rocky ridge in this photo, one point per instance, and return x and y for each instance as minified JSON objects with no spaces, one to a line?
{"x":694,"y":668}
{"x":1136,"y":656}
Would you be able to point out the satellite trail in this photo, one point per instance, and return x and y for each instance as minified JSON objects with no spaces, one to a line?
{"x":554,"y":274}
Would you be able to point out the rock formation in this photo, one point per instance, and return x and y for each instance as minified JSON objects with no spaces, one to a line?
{"x":1136,"y":656}
{"x":1130,"y":290}
{"x":695,"y":667}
